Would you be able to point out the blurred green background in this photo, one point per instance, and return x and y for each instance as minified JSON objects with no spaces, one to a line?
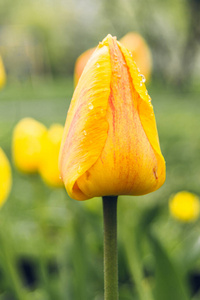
{"x":51,"y":247}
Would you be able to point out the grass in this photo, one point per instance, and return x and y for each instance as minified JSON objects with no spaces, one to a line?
{"x":55,"y":242}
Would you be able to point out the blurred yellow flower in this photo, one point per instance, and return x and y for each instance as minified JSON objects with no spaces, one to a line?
{"x":26,"y":144}
{"x":184,"y":206}
{"x":48,"y":167}
{"x":2,"y":74}
{"x":110,"y":144}
{"x":5,"y":177}
{"x":135,"y":43}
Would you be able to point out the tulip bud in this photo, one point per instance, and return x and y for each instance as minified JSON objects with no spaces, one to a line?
{"x":134,"y":43}
{"x":5,"y":177}
{"x":26,"y":144}
{"x":2,"y":74}
{"x":184,"y":206}
{"x":48,"y":167}
{"x":110,"y":144}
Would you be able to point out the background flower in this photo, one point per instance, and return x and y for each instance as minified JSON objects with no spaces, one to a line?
{"x":5,"y":177}
{"x":2,"y":74}
{"x":48,"y":167}
{"x":185,"y":206}
{"x":26,"y":144}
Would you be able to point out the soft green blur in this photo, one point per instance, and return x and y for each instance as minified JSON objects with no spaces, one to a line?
{"x":51,"y":247}
{"x":43,"y":38}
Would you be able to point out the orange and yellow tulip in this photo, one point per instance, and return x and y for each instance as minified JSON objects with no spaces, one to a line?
{"x":110,"y":144}
{"x":135,"y":43}
{"x":48,"y":167}
{"x":5,"y":177}
{"x":27,"y":143}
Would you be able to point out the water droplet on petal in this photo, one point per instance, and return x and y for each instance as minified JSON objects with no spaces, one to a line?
{"x":146,"y":92}
{"x":91,"y":106}
{"x":130,"y":53}
{"x":141,"y":83}
{"x":84,"y":132}
{"x":98,"y":65}
{"x":143,"y":78}
{"x":138,"y":70}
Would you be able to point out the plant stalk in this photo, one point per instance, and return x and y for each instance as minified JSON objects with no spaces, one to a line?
{"x":110,"y":248}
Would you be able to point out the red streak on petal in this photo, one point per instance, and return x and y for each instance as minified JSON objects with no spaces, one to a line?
{"x":112,"y":106}
{"x":155,"y":173}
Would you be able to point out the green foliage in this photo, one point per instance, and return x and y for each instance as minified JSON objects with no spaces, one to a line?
{"x":52,"y":246}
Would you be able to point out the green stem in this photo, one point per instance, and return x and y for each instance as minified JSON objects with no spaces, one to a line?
{"x":110,"y":248}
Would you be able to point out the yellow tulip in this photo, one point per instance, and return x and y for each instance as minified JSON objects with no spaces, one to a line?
{"x":48,"y":168}
{"x":2,"y":74}
{"x":135,"y":43}
{"x":5,"y":177}
{"x":26,"y":144}
{"x":184,"y":206}
{"x":110,"y":144}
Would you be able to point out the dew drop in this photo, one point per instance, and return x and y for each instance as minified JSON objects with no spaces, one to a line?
{"x":91,"y":106}
{"x":143,"y":78}
{"x":98,"y":65}
{"x":130,"y":53}
{"x":138,"y":70}
{"x":84,"y":132}
{"x":146,"y":92}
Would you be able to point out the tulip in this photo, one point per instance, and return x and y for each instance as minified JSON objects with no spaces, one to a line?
{"x":134,"y":43}
{"x":110,"y":144}
{"x":184,"y":206}
{"x":26,"y":144}
{"x":5,"y":177}
{"x":2,"y":74}
{"x":48,"y":167}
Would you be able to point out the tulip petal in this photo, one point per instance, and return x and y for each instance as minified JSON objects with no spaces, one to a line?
{"x":146,"y":113}
{"x":86,"y":126}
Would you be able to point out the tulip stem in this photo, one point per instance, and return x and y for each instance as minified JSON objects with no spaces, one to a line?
{"x":110,"y":248}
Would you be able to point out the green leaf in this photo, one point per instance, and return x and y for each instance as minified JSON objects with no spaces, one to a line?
{"x":169,"y":284}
